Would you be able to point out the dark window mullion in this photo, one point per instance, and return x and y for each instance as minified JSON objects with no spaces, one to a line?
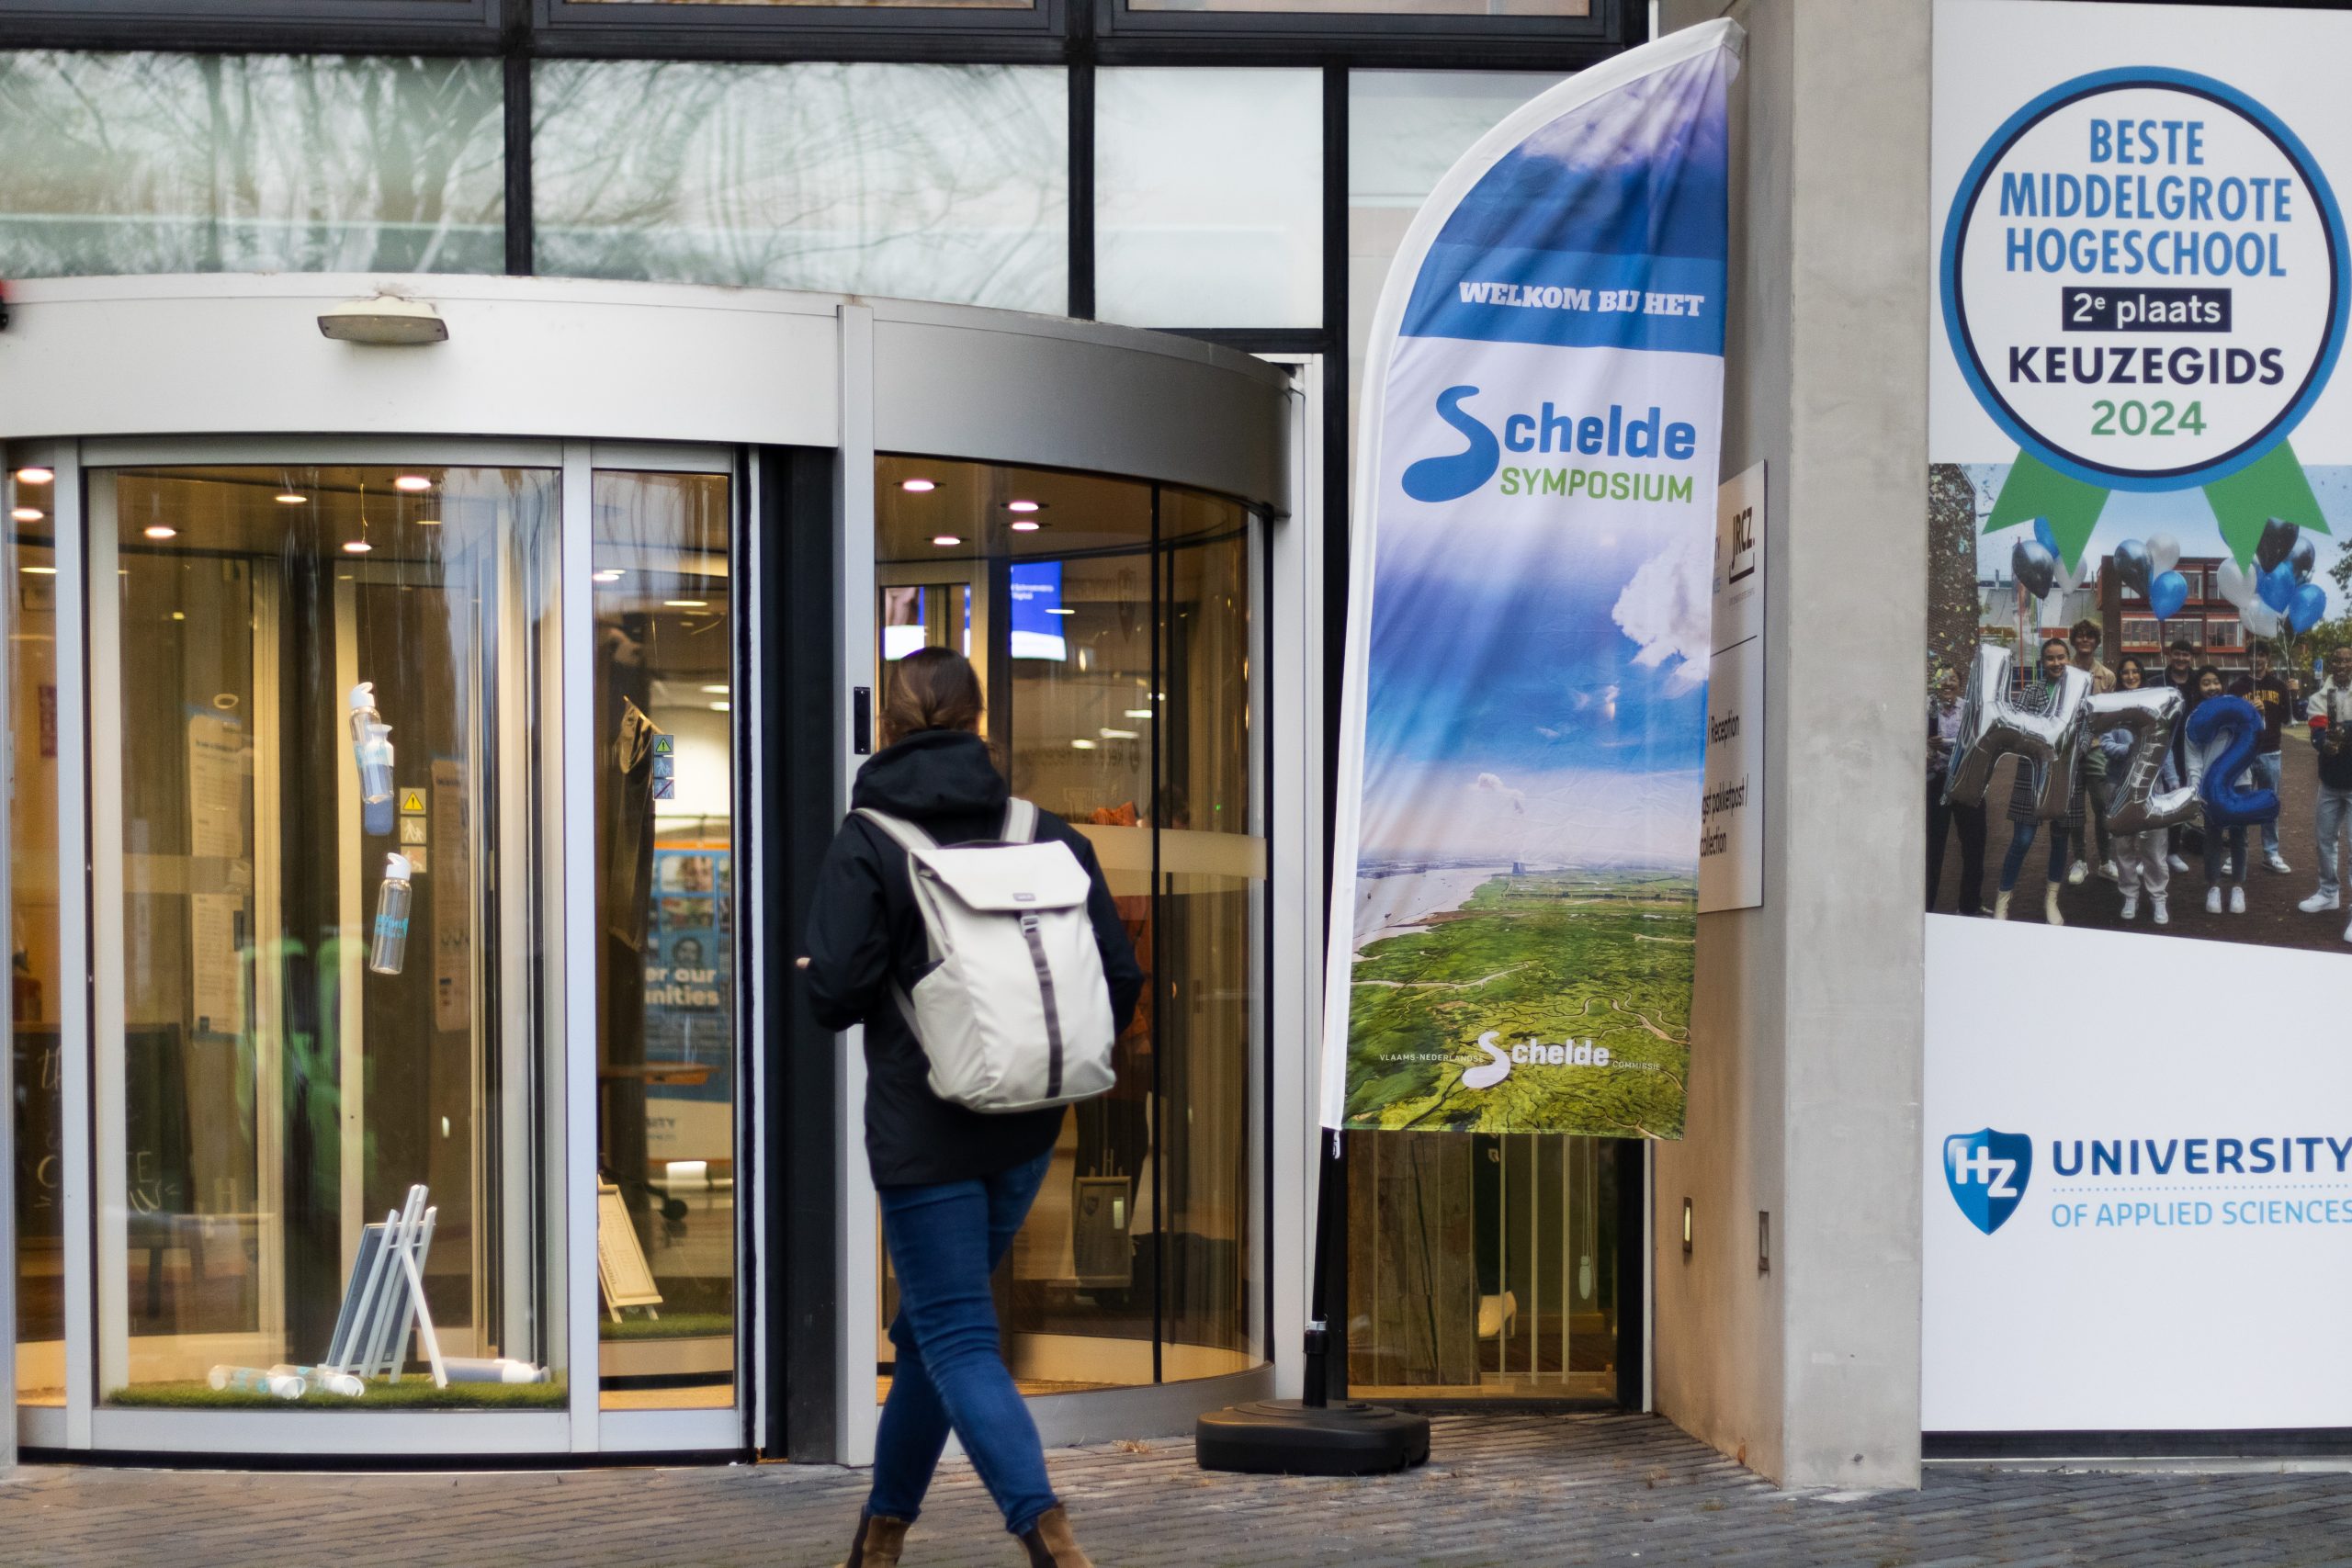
{"x":1080,"y":303}
{"x":520,"y":220}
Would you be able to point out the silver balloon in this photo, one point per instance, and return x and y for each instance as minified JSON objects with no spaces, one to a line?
{"x":2261,"y":619}
{"x":2035,"y":567}
{"x":2149,"y":714}
{"x":1992,"y":727}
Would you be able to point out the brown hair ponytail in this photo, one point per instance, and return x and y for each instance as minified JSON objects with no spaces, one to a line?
{"x":931,"y":688}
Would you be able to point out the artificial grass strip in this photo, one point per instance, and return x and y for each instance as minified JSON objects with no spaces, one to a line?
{"x":669,"y":1325}
{"x":413,"y":1391}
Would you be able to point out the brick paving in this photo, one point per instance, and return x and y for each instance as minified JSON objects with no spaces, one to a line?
{"x":1502,"y":1489}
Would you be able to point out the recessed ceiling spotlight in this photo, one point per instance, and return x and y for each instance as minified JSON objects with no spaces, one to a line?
{"x":719,"y":707}
{"x":412,"y":481}
{"x":1026,"y":526}
{"x":1024,"y":506}
{"x":714,"y":690}
{"x":918,"y":487}
{"x":42,"y":570}
{"x":161,"y":531}
{"x":428,"y":521}
{"x":289,"y":498}
{"x":686,"y":603}
{"x":1109,"y":734}
{"x":1138,"y":713}
{"x":1082,"y":745}
{"x":1058,"y":610}
{"x":610,"y":574}
{"x":945,"y":541}
{"x":35,"y":476}
{"x":357,"y":546}
{"x":27,"y":514}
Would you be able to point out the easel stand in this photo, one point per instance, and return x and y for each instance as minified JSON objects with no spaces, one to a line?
{"x":386,"y":1297}
{"x":1312,"y":1436}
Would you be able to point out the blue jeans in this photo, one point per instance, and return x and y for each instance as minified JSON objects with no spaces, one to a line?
{"x":2021,"y":836}
{"x":945,"y":1240}
{"x":2266,"y":776}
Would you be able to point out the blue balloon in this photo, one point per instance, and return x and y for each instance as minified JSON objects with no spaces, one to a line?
{"x":2227,"y":804}
{"x":2276,"y":587}
{"x":2308,"y":607}
{"x":2168,"y":594}
{"x":2049,"y":540}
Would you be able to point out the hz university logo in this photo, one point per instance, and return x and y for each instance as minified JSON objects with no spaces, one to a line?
{"x":1987,"y":1172}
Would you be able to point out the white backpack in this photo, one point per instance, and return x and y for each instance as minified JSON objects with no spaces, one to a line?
{"x":1014,"y":1013}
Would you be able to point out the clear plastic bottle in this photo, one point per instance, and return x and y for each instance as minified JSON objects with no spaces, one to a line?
{"x":371,"y":745}
{"x":389,"y":950}
{"x":252,"y":1380}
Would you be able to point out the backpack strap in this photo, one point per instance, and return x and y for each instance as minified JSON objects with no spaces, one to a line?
{"x":1020,"y":821}
{"x":907,"y":835}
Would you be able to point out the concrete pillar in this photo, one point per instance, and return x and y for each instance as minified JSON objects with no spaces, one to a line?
{"x":1808,"y":1029}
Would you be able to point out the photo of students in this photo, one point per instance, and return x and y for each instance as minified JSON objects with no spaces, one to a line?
{"x":2141,"y":860}
{"x":1943,"y":818}
{"x":2331,"y":721}
{"x":2039,"y":697}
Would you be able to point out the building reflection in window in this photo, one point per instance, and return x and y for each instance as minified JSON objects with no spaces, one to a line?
{"x":1114,"y":622}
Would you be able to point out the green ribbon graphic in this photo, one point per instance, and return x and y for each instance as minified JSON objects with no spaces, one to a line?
{"x":2271,"y":486}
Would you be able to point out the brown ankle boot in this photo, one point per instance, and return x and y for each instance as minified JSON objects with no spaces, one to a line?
{"x":1051,"y":1545}
{"x":878,"y":1541}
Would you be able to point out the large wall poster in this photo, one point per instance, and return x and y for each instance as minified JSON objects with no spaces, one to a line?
{"x":2139,"y":501}
{"x":1517,"y":814}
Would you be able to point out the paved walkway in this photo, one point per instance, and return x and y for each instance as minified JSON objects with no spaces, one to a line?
{"x":1516,"y":1490}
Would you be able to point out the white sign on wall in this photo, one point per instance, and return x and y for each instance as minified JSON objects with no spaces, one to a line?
{"x":1731,"y":814}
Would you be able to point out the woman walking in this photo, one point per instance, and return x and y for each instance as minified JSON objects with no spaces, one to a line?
{"x":954,"y":1184}
{"x":2140,"y":860}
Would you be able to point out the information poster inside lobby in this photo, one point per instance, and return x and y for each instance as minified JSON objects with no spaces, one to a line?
{"x":2138,"y":1085}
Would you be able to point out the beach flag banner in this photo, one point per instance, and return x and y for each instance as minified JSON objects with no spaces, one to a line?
{"x":1515,"y":894}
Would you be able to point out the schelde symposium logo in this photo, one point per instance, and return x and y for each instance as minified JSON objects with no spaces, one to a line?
{"x":1640,"y":435}
{"x":1987,"y":1172}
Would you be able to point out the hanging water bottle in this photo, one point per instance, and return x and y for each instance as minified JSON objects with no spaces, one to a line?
{"x":371,"y":748}
{"x":388,"y":951}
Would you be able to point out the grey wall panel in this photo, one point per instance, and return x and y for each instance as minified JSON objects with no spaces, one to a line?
{"x":1012,"y":389}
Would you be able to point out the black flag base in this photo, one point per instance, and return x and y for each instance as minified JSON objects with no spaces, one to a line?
{"x":1287,"y":1437}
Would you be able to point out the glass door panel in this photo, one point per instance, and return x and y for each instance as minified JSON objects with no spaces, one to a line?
{"x":666,"y":962}
{"x":316,"y":705}
{"x":1113,"y":626}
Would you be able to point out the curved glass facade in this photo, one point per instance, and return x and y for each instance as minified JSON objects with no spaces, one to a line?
{"x":1114,"y":622}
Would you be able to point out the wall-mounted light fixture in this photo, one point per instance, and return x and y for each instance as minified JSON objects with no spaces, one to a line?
{"x":1686,"y":1227}
{"x":387,"y":321}
{"x":1763,"y":1241}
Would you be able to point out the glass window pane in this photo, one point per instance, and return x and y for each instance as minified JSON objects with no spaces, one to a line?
{"x":1404,"y":129}
{"x":1209,"y":207}
{"x":922,"y":182}
{"x":1381,"y":7}
{"x":320,"y":690}
{"x":1101,"y":613}
{"x":666,"y":971}
{"x":903,"y":4}
{"x":29,"y":567}
{"x":258,"y":162}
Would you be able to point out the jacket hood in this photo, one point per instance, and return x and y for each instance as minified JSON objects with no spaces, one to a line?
{"x":939,"y":773}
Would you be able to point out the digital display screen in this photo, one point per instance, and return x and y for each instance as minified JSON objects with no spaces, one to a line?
{"x":1036,"y":603}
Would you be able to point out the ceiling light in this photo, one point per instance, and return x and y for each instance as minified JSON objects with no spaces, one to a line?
{"x":357,"y":546}
{"x":686,"y":603}
{"x":1028,"y":525}
{"x":412,"y":481}
{"x":945,"y":541}
{"x":179,"y":615}
{"x":27,"y":514}
{"x":428,"y":521}
{"x":719,"y":707}
{"x":287,"y":497}
{"x":918,"y":487}
{"x":35,"y":476}
{"x":1109,"y":734}
{"x":610,"y":574}
{"x":40,"y":570}
{"x":1058,"y":610}
{"x":1023,"y":506}
{"x":1082,"y":745}
{"x":161,"y":531}
{"x":1138,"y":713}
{"x":385,"y":320}
{"x":715,"y":691}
